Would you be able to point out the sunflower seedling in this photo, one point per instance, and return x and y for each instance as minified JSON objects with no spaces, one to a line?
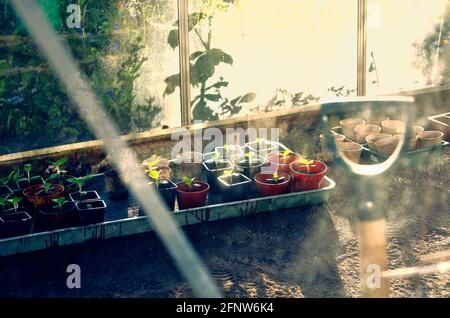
{"x":59,"y":203}
{"x":15,"y":203}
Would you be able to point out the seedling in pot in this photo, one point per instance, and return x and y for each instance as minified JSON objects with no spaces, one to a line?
{"x":284,"y":155}
{"x":229,"y":173}
{"x":80,"y":182}
{"x":276,"y":178}
{"x":190,"y":182}
{"x":248,"y":157}
{"x":15,"y":203}
{"x":29,"y":180}
{"x":307,"y":163}
{"x":48,"y":185}
{"x":59,"y":203}
{"x":56,"y":167}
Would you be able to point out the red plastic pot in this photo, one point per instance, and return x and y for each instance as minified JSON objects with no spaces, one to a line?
{"x":35,"y":197}
{"x":305,"y":179}
{"x":265,"y":188}
{"x":281,"y":163}
{"x":193,"y":197}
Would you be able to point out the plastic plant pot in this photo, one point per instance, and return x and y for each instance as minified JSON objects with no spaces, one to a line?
{"x":91,"y":212}
{"x":37,"y":196}
{"x":280,"y":162}
{"x":348,"y":125}
{"x":261,"y":147}
{"x":268,"y":186}
{"x":52,"y":218}
{"x":85,"y":196}
{"x":69,"y":187}
{"x":363,"y":130}
{"x":430,"y":138}
{"x":168,"y":191}
{"x":308,"y":177}
{"x":235,"y":187}
{"x":249,"y":167}
{"x":25,"y":183}
{"x":371,"y":139}
{"x":192,"y":197}
{"x":15,"y":224}
{"x":114,"y":186}
{"x":5,"y":191}
{"x":190,"y":164}
{"x":214,"y":169}
{"x":351,"y":150}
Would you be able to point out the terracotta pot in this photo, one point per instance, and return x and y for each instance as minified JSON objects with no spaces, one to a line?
{"x":364,"y":130}
{"x":194,"y":197}
{"x":32,"y":194}
{"x":265,"y":188}
{"x":430,"y":138}
{"x":387,"y":145}
{"x":392,"y":127}
{"x":308,"y":178}
{"x":280,"y":163}
{"x":348,"y":125}
{"x":190,"y":164}
{"x":377,"y":120}
{"x":371,"y":139}
{"x":412,"y":143}
{"x":326,"y":154}
{"x":351,"y":150}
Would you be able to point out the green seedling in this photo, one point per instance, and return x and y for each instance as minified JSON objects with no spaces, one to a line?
{"x":248,"y":157}
{"x":15,"y":203}
{"x":229,"y":173}
{"x":284,"y":155}
{"x":3,"y":202}
{"x":56,"y":166}
{"x":189,"y":181}
{"x":48,"y":184}
{"x":156,"y":178}
{"x":215,"y":158}
{"x":27,"y":168}
{"x":11,"y":177}
{"x":276,"y":177}
{"x":80,"y":182}
{"x":307,"y":163}
{"x":59,"y":203}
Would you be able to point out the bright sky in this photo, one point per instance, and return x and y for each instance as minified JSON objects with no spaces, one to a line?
{"x":305,"y":45}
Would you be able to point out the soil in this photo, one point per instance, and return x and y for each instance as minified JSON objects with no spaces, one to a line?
{"x":306,"y":252}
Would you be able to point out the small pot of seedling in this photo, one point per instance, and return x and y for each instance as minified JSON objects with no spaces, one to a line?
{"x":56,"y":167}
{"x":91,"y":212}
{"x":262,"y":147}
{"x":214,"y":168}
{"x":166,"y":188}
{"x":235,"y":186}
{"x":191,"y":193}
{"x":280,"y":161}
{"x":42,"y":194}
{"x":4,"y":204}
{"x":14,"y":222}
{"x":60,"y":214}
{"x":249,"y":165}
{"x":229,"y":152}
{"x":82,"y":195}
{"x":164,"y":171}
{"x":29,"y":180}
{"x":190,"y":164}
{"x":5,"y":190}
{"x":308,"y":174}
{"x":272,"y":184}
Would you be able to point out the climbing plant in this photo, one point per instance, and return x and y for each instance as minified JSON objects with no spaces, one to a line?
{"x":209,"y":104}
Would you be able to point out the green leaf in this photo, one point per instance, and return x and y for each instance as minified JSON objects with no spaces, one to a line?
{"x":61,"y":161}
{"x":371,"y":67}
{"x":153,"y":174}
{"x":172,"y":82}
{"x":212,"y":97}
{"x":27,"y":167}
{"x":247,"y":98}
{"x":235,"y":101}
{"x":196,"y":54}
{"x":173,"y":38}
{"x":220,"y":84}
{"x":194,"y":18}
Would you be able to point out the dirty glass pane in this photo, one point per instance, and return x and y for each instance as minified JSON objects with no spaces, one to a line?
{"x":256,"y":56}
{"x":407,"y":48}
{"x":120,"y":45}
